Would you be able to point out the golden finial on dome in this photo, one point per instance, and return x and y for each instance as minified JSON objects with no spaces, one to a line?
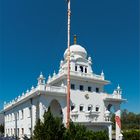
{"x":75,"y":39}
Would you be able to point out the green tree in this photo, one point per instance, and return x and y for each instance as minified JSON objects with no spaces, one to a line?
{"x":50,"y":129}
{"x":38,"y":131}
{"x":1,"y":128}
{"x":53,"y":129}
{"x":80,"y":132}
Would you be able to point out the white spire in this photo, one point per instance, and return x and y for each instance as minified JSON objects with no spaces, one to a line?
{"x":32,"y":87}
{"x":54,"y":73}
{"x":119,"y":90}
{"x":102,"y":73}
{"x":41,"y":79}
{"x":118,"y":87}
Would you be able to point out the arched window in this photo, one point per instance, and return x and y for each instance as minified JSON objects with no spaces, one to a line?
{"x":81,"y":68}
{"x":75,"y":68}
{"x":22,"y":114}
{"x":85,"y":70}
{"x":81,"y":108}
{"x":97,"y":108}
{"x":72,"y":106}
{"x":90,"y":107}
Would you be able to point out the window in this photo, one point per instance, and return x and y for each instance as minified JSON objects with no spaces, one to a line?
{"x":22,"y":114}
{"x":13,"y":117}
{"x":75,"y":68}
{"x":72,"y":86}
{"x":11,"y":132}
{"x":97,"y":108}
{"x":81,"y":87}
{"x":30,"y":111}
{"x":22,"y":131}
{"x":14,"y":131}
{"x":81,"y":68}
{"x":85,"y":70}
{"x":10,"y":117}
{"x":97,"y":90}
{"x":17,"y":115}
{"x":72,"y":107}
{"x":90,"y":108}
{"x":89,"y":89}
{"x":18,"y":132}
{"x":81,"y":108}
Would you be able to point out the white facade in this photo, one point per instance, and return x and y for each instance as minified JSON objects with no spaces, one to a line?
{"x":90,"y":104}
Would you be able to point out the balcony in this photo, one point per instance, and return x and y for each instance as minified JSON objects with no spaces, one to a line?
{"x":55,"y":90}
{"x":90,"y":76}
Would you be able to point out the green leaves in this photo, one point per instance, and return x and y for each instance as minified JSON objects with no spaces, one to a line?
{"x":53,"y":129}
{"x":131,"y":135}
{"x":1,"y":129}
{"x":50,"y":129}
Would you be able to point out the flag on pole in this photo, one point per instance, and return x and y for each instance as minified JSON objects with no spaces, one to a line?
{"x":118,"y":121}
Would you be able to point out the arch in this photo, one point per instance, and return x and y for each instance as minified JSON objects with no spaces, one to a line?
{"x":109,"y":107}
{"x":90,"y":107}
{"x":56,"y":109}
{"x":81,"y":68}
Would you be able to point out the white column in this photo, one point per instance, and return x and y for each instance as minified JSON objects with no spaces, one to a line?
{"x":78,"y":68}
{"x":42,"y":110}
{"x":110,"y":131}
{"x":118,"y":127}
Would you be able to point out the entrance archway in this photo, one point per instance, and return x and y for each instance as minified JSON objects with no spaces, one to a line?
{"x":56,"y":109}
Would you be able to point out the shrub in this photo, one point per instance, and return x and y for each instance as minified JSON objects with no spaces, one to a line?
{"x":53,"y":129}
{"x":131,"y":135}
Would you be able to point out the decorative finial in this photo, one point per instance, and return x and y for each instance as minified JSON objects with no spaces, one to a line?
{"x":32,"y":87}
{"x":54,"y":73}
{"x":49,"y":76}
{"x":75,"y":39}
{"x":102,"y":73}
{"x":41,"y":75}
{"x":118,"y":88}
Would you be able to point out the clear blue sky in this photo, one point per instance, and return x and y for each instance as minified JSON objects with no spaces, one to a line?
{"x":33,"y":39}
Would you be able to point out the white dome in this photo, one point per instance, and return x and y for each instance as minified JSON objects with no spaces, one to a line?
{"x":77,"y":49}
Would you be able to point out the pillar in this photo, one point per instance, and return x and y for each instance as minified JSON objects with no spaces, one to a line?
{"x":118,"y":122}
{"x":110,"y":131}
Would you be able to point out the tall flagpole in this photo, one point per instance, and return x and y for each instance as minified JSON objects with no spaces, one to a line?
{"x":68,"y":63}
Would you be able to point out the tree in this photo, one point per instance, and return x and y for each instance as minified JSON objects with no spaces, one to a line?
{"x":1,"y":128}
{"x":129,"y":120}
{"x":80,"y":132}
{"x":53,"y":129}
{"x":38,"y":131}
{"x":50,"y":129}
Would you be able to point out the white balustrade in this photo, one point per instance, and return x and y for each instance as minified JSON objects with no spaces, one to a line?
{"x":56,"y":89}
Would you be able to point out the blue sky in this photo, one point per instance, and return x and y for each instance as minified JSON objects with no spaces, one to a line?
{"x":33,"y":38}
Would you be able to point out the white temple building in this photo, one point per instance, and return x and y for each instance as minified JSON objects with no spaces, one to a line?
{"x":90,"y":104}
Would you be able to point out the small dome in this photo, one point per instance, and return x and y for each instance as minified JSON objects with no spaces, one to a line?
{"x":78,"y":50}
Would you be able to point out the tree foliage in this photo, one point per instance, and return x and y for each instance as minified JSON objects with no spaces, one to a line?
{"x":50,"y":129}
{"x":129,"y":120}
{"x":53,"y":129}
{"x":1,"y":128}
{"x":80,"y":132}
{"x":131,"y":135}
